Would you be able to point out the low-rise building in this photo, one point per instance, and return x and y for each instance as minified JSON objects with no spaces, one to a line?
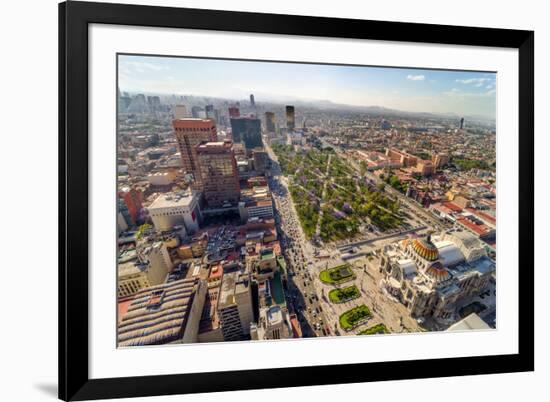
{"x":167,"y":313}
{"x":148,"y":266}
{"x":162,"y":178}
{"x":425,"y":167}
{"x":471,"y":322}
{"x":255,"y":202}
{"x":274,"y":323}
{"x":172,"y":209}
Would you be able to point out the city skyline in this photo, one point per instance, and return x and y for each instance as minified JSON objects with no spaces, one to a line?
{"x":404,"y":89}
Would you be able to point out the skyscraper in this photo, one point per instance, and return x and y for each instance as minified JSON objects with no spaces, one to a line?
{"x":270,"y":122}
{"x":180,"y":112}
{"x":290,"y":119}
{"x":132,"y":200}
{"x":252,"y":103}
{"x":247,"y":130}
{"x":462,"y":123}
{"x":189,"y":134}
{"x":219,"y":175}
{"x":234,"y":112}
{"x":198,"y":112}
{"x":138,"y":104}
{"x":154,"y":103}
{"x":209,"y":110}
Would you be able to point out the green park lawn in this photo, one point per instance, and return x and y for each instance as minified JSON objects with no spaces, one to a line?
{"x":377,"y":329}
{"x":339,"y":274}
{"x":344,"y":294}
{"x":352,"y":317}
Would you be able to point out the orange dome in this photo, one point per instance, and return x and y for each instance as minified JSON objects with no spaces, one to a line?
{"x":425,"y":249}
{"x":438,"y":272}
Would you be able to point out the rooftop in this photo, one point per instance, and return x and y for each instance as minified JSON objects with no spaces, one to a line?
{"x":168,"y":200}
{"x":209,"y":318}
{"x":274,"y":315}
{"x":157,"y":315}
{"x":276,"y":287}
{"x":231,"y":285}
{"x":473,"y":321}
{"x":214,"y":147}
{"x":190,"y":122}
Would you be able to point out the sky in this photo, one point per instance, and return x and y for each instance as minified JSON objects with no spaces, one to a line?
{"x":415,"y":90}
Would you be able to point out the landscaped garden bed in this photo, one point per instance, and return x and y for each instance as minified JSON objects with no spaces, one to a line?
{"x":344,"y":294}
{"x":339,"y":274}
{"x":375,"y":330}
{"x":353,"y":318}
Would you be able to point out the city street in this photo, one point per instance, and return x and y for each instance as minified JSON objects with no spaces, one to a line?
{"x":302,"y":295}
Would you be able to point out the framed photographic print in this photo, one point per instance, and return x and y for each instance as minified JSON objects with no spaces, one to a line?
{"x":258,"y":200}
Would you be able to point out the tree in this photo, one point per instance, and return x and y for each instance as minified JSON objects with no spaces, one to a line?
{"x":381,"y":186}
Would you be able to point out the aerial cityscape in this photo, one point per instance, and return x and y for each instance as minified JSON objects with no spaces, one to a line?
{"x":267,"y":201}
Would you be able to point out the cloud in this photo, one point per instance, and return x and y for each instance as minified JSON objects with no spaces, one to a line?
{"x":416,"y":77}
{"x":478,"y":82}
{"x":452,"y":92}
{"x":141,"y":66}
{"x":455,"y":92}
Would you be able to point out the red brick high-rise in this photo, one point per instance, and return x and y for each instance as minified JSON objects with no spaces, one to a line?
{"x":133,"y":200}
{"x":190,"y":133}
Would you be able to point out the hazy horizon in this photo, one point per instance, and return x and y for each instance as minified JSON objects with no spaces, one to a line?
{"x":403,"y":89}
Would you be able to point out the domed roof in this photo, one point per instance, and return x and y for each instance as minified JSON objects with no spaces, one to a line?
{"x":438,"y":272}
{"x":425,"y":248}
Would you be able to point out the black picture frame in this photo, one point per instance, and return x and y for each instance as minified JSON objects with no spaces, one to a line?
{"x":74,"y":18}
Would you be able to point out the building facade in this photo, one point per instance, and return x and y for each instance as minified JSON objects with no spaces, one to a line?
{"x":180,"y":112}
{"x":270,"y":122}
{"x":261,"y":160}
{"x":440,"y":160}
{"x":174,"y":209}
{"x":219,"y":175}
{"x":234,"y":112}
{"x":235,"y":306}
{"x":290,"y":118}
{"x":247,"y":130}
{"x":148,"y":266}
{"x":132,"y":198}
{"x":189,"y":134}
